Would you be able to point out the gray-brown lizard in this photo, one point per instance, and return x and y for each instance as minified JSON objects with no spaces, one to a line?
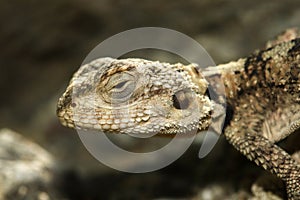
{"x":145,"y":97}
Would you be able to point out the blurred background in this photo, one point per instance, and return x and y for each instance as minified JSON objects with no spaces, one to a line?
{"x":43,"y":42}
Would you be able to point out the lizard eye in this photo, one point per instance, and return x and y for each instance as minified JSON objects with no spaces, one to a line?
{"x":121,"y":86}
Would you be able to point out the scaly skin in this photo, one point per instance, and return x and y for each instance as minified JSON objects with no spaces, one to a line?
{"x":145,"y":97}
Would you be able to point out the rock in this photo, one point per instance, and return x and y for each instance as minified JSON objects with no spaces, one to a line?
{"x":26,"y":169}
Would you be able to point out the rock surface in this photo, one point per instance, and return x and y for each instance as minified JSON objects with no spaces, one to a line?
{"x":26,"y":169}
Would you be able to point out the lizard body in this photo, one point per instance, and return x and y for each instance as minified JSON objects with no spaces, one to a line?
{"x":145,"y":97}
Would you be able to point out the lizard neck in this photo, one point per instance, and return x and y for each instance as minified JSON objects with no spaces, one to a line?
{"x":275,"y":67}
{"x":226,"y":79}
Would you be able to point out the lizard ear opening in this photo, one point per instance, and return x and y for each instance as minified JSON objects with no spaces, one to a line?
{"x":182,"y":99}
{"x":211,"y":93}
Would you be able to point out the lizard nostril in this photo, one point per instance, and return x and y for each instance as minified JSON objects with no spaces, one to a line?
{"x":73,"y":105}
{"x":180,"y":100}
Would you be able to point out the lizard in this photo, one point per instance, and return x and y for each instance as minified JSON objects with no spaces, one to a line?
{"x":133,"y":95}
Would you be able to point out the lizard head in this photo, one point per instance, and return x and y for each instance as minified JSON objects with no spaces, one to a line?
{"x":136,"y":96}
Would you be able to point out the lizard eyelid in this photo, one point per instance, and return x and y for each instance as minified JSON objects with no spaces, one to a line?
{"x":120,"y":85}
{"x":119,"y":88}
{"x":123,"y":86}
{"x":118,"y":80}
{"x":122,"y":91}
